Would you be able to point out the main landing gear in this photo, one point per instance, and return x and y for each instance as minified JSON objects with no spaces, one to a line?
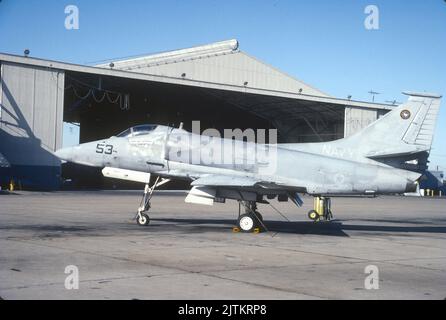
{"x":142,"y":218}
{"x":251,"y":220}
{"x":322,"y":210}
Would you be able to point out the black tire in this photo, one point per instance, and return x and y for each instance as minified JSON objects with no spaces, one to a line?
{"x":313,"y":215}
{"x":247,"y":222}
{"x":143,"y":219}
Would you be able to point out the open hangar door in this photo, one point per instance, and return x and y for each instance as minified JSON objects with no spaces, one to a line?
{"x":217,"y":84}
{"x":105,"y":105}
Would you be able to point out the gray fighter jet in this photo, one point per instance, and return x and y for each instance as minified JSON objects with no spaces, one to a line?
{"x":387,"y":157}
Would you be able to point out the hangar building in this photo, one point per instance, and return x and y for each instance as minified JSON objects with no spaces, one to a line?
{"x":218,"y":84}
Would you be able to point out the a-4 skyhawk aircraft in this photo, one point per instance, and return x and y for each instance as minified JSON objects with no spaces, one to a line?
{"x":386,"y":157}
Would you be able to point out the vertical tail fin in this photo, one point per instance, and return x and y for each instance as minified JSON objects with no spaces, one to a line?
{"x":402,"y":138}
{"x":406,"y":130}
{"x":421,"y":129}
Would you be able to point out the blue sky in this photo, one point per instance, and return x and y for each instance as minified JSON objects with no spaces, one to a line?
{"x":322,"y":42}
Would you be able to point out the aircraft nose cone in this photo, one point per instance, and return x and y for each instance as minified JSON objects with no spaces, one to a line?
{"x":65,"y":154}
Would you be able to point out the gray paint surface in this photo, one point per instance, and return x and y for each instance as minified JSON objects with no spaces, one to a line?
{"x":374,"y":160}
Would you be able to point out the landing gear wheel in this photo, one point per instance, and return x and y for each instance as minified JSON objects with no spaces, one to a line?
{"x":247,"y":222}
{"x":143,"y":219}
{"x":313,"y":215}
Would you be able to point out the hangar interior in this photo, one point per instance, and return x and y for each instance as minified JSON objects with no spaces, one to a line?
{"x":218,"y":84}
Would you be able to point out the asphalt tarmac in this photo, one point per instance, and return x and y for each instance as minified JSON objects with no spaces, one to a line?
{"x":376,"y":248}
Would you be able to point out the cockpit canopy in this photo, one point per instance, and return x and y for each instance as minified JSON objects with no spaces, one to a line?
{"x":137,"y":130}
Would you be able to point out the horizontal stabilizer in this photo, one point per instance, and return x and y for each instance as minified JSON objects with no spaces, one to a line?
{"x":400,"y":151}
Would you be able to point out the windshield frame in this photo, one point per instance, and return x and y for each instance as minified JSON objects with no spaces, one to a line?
{"x":137,"y":130}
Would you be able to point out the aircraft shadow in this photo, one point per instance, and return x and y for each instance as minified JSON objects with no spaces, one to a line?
{"x":212,"y":225}
{"x":335,"y":228}
{"x":31,"y":165}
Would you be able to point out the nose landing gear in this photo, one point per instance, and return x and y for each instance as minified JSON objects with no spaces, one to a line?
{"x":142,"y":218}
{"x":322,"y":210}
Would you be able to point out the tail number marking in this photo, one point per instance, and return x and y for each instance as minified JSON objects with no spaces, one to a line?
{"x":104,"y":148}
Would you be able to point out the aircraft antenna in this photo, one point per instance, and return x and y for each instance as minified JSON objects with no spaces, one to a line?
{"x":373,"y":93}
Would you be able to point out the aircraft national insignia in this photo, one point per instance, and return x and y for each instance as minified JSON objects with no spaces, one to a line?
{"x":405,"y":114}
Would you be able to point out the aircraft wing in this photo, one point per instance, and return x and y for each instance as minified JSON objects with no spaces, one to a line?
{"x":228,"y":181}
{"x":225,"y":181}
{"x":209,"y":188}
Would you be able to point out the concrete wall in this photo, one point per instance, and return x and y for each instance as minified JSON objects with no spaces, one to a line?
{"x":31,"y":121}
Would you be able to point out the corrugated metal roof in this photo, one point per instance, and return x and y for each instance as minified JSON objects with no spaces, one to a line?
{"x":175,"y":56}
{"x":220,"y":62}
{"x":177,"y":79}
